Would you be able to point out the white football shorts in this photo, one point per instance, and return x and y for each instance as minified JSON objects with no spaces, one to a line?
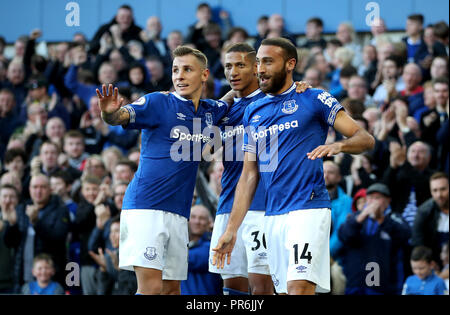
{"x":154,"y":239}
{"x":298,"y":245}
{"x":249,"y":254}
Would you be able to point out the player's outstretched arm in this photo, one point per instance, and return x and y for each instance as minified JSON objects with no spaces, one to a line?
{"x":358,"y":140}
{"x":111,"y":107}
{"x":245,"y":191}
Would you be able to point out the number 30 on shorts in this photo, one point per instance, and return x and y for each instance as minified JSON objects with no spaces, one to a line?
{"x":257,"y":241}
{"x":305,"y":254}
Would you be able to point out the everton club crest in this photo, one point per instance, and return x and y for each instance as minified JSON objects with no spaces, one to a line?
{"x":150,"y":253}
{"x":289,"y":107}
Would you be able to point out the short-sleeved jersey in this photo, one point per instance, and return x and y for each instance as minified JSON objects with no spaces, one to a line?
{"x":173,"y":136}
{"x":232,"y":134}
{"x":281,"y":130}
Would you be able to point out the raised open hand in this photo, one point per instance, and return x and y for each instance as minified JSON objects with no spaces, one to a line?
{"x":109,"y":101}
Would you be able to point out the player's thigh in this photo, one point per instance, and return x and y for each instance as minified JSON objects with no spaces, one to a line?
{"x":236,"y":283}
{"x":143,"y":239}
{"x":255,"y":242}
{"x":308,"y":242}
{"x":176,"y":254}
{"x":277,"y":251}
{"x":238,"y":261}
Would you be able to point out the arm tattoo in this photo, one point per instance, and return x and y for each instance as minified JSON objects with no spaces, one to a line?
{"x":119,"y":117}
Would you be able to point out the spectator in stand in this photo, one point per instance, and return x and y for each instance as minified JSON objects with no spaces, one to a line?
{"x":408,"y":178}
{"x":9,"y":119}
{"x":313,"y":77}
{"x":42,"y":226}
{"x":154,"y":44}
{"x":357,"y":90}
{"x":74,"y":148}
{"x":415,"y":45}
{"x":378,"y":28}
{"x":412,"y":76}
{"x":15,"y":81}
{"x":341,"y":205}
{"x":424,"y":281}
{"x":262,"y":28}
{"x":341,"y":92}
{"x":124,"y":21}
{"x":43,"y":271}
{"x":124,"y":171}
{"x":391,"y":81}
{"x":361,"y":174}
{"x":276,"y":28}
{"x":319,"y":62}
{"x":94,"y":130}
{"x":432,"y":119}
{"x":314,"y":29}
{"x":237,"y":35}
{"x":55,"y":130}
{"x":9,"y":198}
{"x":347,"y":36}
{"x":200,"y":281}
{"x":430,"y":227}
{"x":16,"y":162}
{"x":374,"y":235}
{"x":342,"y":57}
{"x":85,"y":220}
{"x":439,"y":67}
{"x":441,"y":34}
{"x":369,"y":66}
{"x":159,"y":80}
{"x":204,"y":18}
{"x":12,"y":179}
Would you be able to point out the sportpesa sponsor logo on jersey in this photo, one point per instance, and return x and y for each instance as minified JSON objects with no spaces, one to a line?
{"x":274,"y":129}
{"x":231,"y":132}
{"x":197,"y":137}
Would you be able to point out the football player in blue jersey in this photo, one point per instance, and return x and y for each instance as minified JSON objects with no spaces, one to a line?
{"x":249,"y":268}
{"x":156,"y":206}
{"x":284,"y":145}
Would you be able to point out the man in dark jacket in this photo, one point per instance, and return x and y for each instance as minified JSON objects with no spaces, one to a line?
{"x":431,"y":224}
{"x":407,"y":178}
{"x":42,"y":227}
{"x":200,"y":280}
{"x":123,"y":23}
{"x":373,"y":242}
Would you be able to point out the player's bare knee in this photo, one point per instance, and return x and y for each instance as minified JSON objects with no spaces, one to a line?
{"x":301,"y":287}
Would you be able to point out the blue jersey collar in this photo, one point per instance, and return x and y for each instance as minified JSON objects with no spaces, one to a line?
{"x":254,"y":93}
{"x":293,"y":86}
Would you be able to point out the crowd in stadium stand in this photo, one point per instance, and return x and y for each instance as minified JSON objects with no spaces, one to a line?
{"x":64,"y":171}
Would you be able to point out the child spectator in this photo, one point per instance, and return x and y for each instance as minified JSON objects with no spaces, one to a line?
{"x":424,"y":281}
{"x":43,"y":271}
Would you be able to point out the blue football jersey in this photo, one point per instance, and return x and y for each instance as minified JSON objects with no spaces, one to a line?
{"x":173,"y":136}
{"x":232,"y":134}
{"x":281,"y":130}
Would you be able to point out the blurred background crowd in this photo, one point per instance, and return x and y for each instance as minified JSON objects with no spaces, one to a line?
{"x":64,"y":171}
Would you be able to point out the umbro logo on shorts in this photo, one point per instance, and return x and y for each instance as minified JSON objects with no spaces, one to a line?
{"x":301,"y":269}
{"x":150,"y":253}
{"x":275,"y":281}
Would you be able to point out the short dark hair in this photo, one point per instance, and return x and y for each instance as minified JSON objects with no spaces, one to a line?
{"x":440,"y":30}
{"x":443,"y":80}
{"x":396,"y":59}
{"x":348,"y":71}
{"x":243,"y":48}
{"x":355,"y":108}
{"x":422,"y":253}
{"x":12,"y":187}
{"x":417,"y":18}
{"x":335,"y":42}
{"x":203,"y":5}
{"x":74,"y":134}
{"x":181,"y":51}
{"x":316,"y":20}
{"x":126,"y":7}
{"x":11,"y":154}
{"x":128,"y":163}
{"x":290,"y":51}
{"x":263,"y":18}
{"x":235,"y":30}
{"x":115,"y":219}
{"x":64,"y":175}
{"x":438,"y":175}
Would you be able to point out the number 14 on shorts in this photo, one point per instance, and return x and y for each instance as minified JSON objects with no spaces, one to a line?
{"x":305,"y":253}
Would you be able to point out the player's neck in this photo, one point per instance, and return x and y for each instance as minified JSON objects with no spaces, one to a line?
{"x":248,"y":90}
{"x":286,"y":86}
